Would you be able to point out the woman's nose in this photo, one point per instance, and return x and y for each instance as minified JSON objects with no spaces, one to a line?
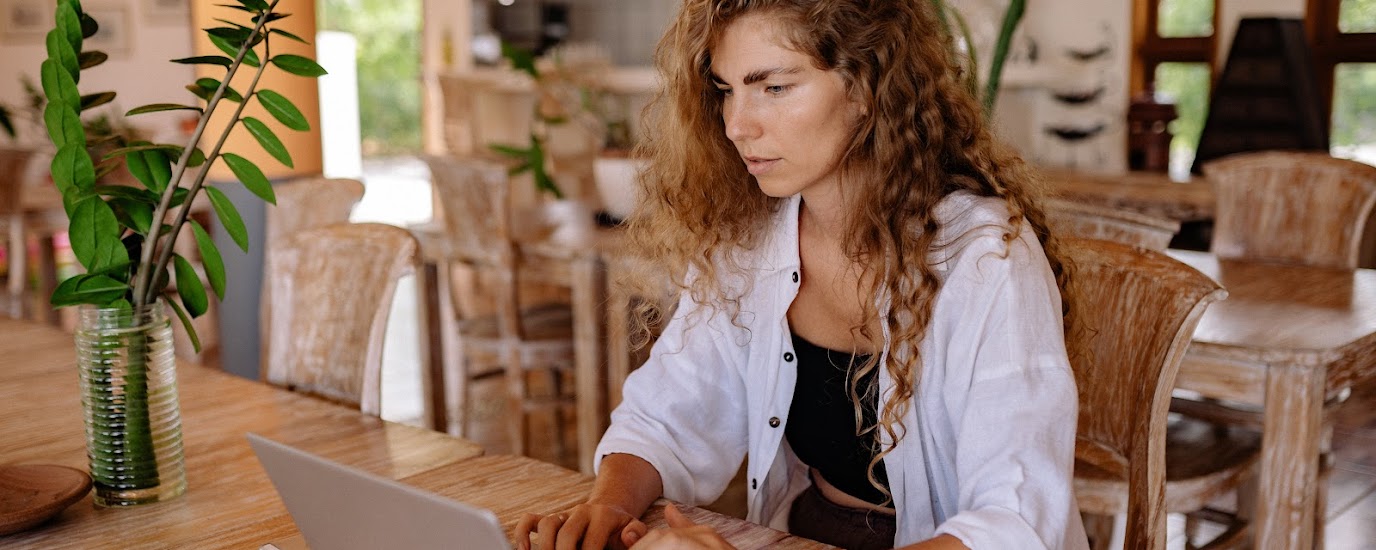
{"x":742,"y":123}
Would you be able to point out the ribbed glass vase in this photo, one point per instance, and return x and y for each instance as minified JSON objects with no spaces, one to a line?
{"x":129,"y":396}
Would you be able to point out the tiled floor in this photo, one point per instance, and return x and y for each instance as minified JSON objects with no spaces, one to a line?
{"x":398,"y":192}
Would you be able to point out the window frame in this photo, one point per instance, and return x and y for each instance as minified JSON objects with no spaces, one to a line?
{"x":1331,"y":47}
{"x":1151,"y":49}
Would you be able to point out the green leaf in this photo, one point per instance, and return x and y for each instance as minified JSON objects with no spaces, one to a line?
{"x":159,"y":168}
{"x":210,"y":85}
{"x":268,"y":140}
{"x":138,"y":215}
{"x":88,"y":289}
{"x":64,"y":126}
{"x":255,"y":5}
{"x":235,"y":35}
{"x":6,"y":123}
{"x":94,"y":234}
{"x":274,"y":16}
{"x":69,"y":24}
{"x":104,"y":167}
{"x":58,"y":86}
{"x":88,"y":25}
{"x":205,"y":60}
{"x":231,"y":49}
{"x":250,"y":176}
{"x":210,"y":259}
{"x":229,"y":217}
{"x":160,"y":107}
{"x":87,"y":60}
{"x":126,"y":192}
{"x":91,"y":101}
{"x":197,"y":156}
{"x":521,"y":59}
{"x":187,"y":324}
{"x":237,"y":7}
{"x":297,"y":65}
{"x":288,"y":35}
{"x":61,"y":51}
{"x":283,"y":110}
{"x":72,"y":168}
{"x":189,"y":287}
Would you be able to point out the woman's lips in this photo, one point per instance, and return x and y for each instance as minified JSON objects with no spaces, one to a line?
{"x":759,"y":166}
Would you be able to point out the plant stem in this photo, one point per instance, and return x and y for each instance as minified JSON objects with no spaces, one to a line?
{"x":144,"y":275}
{"x":1010,"y":24}
{"x":210,"y":160}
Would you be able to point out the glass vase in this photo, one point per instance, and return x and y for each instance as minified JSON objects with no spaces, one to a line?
{"x":129,"y":397}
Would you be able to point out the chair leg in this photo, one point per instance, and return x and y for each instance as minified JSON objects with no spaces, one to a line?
{"x":1100,"y":530}
{"x":17,"y":252}
{"x":47,"y":278}
{"x":517,"y":418}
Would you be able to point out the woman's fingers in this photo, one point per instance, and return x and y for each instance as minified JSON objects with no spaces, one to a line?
{"x":523,"y":529}
{"x":548,"y":529}
{"x":572,"y":530}
{"x":633,"y":532}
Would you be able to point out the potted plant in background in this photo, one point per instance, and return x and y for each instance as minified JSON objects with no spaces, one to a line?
{"x":124,"y":237}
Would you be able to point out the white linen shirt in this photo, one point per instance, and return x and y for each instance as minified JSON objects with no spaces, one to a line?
{"x":992,"y":426}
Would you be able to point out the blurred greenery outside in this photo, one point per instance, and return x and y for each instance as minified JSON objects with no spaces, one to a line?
{"x":1357,"y":16}
{"x":1186,"y":85}
{"x":389,"y":94}
{"x":1185,"y":18}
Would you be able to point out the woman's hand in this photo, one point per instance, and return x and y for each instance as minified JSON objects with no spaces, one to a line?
{"x":682,"y":534}
{"x":584,"y":527}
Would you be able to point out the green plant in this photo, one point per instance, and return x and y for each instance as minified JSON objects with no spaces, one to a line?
{"x":1011,"y":17}
{"x":531,"y":159}
{"x":121,"y":235}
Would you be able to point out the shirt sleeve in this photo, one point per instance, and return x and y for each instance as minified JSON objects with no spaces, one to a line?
{"x":1010,"y":396}
{"x":684,"y":410}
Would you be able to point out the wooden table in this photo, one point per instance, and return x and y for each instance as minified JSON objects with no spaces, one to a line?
{"x":1287,"y":338}
{"x":229,"y":501}
{"x":512,"y":486}
{"x":1149,"y":193}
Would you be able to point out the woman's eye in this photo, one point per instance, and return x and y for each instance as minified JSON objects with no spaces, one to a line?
{"x":724,"y":91}
{"x":775,"y":90}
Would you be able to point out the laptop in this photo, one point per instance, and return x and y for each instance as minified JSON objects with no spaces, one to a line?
{"x":337,"y":507}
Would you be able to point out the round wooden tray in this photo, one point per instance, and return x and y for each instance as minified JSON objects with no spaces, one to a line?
{"x":32,"y":493}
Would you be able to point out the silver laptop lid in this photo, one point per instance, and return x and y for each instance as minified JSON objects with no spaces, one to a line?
{"x":341,"y":508}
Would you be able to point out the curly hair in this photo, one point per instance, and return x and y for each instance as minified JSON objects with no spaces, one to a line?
{"x":922,"y":137}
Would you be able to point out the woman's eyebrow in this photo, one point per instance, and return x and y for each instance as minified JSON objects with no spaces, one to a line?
{"x":758,"y":75}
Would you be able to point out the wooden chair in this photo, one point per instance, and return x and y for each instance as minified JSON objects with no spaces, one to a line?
{"x":1134,"y":313}
{"x":1291,"y":207}
{"x":332,"y":289}
{"x":513,"y":341}
{"x":1088,"y":221}
{"x":302,"y":204}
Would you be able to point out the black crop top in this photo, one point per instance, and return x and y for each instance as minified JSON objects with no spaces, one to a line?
{"x":821,"y":421}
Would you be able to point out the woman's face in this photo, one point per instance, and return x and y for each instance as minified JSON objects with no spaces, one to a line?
{"x":789,"y":120}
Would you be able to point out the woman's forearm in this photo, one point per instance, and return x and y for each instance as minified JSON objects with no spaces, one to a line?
{"x":627,"y":482}
{"x":943,"y":542}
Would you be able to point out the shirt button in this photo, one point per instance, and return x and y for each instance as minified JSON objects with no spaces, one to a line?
{"x":774,"y":422}
{"x":788,"y":356}
{"x":753,"y":485}
{"x":795,"y":276}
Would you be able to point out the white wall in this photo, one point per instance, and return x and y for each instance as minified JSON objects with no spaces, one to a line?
{"x":139,"y":75}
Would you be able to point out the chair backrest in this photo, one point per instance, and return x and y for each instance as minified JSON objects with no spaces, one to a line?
{"x":302,"y":204}
{"x":1302,"y":208}
{"x":332,"y":289}
{"x":477,"y":218}
{"x":1134,"y":313}
{"x":14,"y":164}
{"x":309,"y":203}
{"x":1073,"y":219}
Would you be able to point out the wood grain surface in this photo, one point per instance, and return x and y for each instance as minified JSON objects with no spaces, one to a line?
{"x":229,"y":503}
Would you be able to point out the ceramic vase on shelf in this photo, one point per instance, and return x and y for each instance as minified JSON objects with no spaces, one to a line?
{"x":129,"y":399}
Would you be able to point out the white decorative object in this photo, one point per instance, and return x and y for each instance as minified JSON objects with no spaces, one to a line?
{"x":616,"y":184}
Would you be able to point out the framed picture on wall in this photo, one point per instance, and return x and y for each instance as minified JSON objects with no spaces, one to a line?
{"x":167,"y":11}
{"x":26,"y":20}
{"x":116,"y":34}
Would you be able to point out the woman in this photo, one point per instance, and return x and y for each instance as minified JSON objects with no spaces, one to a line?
{"x":870,"y":313}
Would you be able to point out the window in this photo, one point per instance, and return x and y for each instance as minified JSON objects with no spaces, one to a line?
{"x":1174,"y":43}
{"x":1344,"y":38}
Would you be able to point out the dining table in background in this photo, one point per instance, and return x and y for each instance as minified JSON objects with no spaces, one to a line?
{"x":1287,"y":339}
{"x":1151,"y":193}
{"x":229,"y":501}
